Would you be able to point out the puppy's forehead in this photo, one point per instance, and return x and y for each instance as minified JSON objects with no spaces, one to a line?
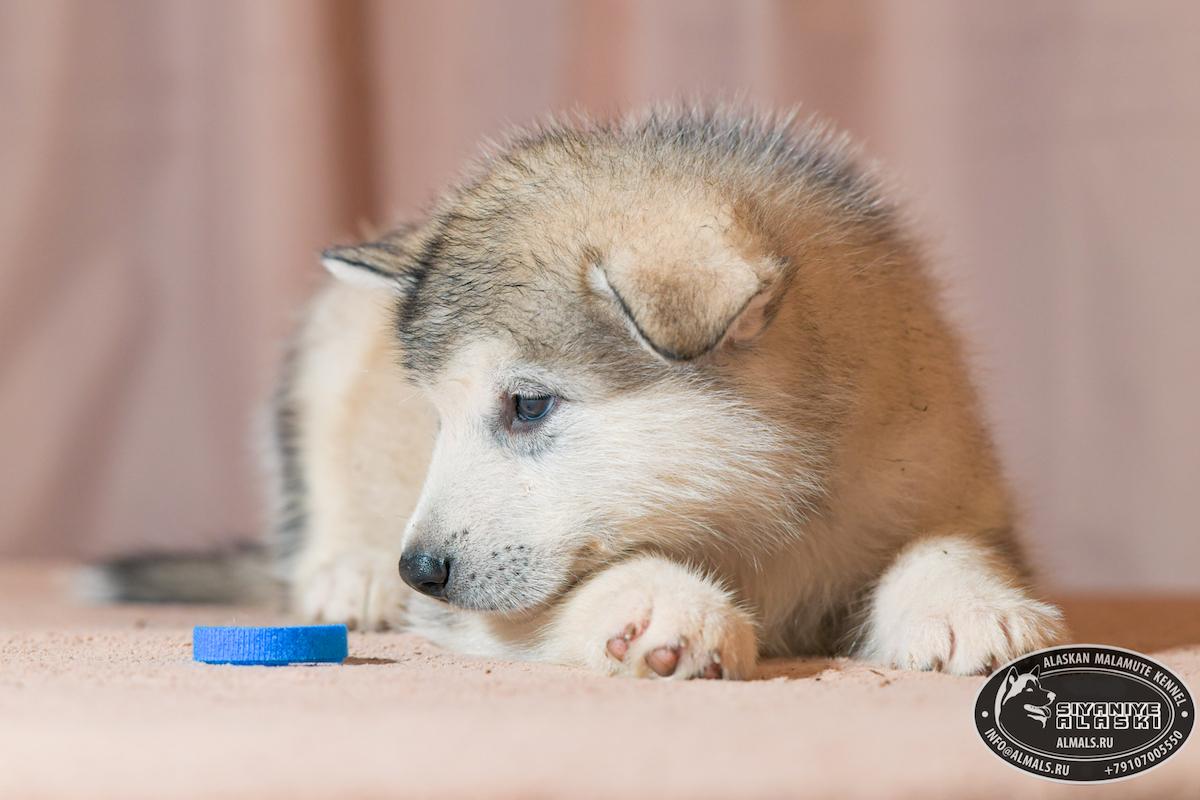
{"x":515,"y":259}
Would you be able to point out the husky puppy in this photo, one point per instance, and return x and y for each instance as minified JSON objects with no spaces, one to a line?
{"x":654,"y":397}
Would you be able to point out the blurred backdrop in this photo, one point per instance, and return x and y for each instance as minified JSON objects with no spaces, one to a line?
{"x":169,"y":169}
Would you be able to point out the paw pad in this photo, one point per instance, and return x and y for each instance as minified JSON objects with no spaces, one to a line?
{"x":664,"y":660}
{"x":618,"y":645}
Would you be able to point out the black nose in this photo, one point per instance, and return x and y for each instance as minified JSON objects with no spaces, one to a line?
{"x":425,"y":572}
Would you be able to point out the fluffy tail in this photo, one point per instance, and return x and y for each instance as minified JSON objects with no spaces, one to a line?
{"x":235,"y":576}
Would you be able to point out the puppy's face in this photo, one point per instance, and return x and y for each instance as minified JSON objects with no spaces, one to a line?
{"x":582,"y":333}
{"x":565,"y":436}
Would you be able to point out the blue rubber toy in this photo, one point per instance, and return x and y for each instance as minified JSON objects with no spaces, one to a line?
{"x":270,"y":647}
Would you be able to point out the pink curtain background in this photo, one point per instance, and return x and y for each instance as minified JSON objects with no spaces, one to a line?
{"x":169,"y":169}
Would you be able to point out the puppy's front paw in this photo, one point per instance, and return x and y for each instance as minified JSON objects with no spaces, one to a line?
{"x":361,"y":589}
{"x":945,"y":606}
{"x":652,"y":618}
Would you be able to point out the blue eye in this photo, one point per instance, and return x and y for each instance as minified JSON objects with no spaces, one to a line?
{"x":531,"y":409}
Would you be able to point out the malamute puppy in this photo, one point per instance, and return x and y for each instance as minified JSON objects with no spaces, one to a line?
{"x":656,"y":398}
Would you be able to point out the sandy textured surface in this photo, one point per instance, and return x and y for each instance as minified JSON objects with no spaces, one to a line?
{"x":107,"y":703}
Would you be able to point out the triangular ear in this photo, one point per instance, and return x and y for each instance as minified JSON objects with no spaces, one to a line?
{"x":1011,"y":677}
{"x":387,"y":264}
{"x":682,"y":313}
{"x":1036,"y":671}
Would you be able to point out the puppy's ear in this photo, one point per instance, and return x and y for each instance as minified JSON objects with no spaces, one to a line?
{"x":1036,"y":671}
{"x":682,"y":313}
{"x":1011,"y":677}
{"x":387,"y":264}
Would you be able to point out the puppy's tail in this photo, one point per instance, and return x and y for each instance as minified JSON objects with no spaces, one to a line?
{"x":237,"y":575}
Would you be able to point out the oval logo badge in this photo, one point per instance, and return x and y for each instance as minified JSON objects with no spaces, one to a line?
{"x":1084,"y":713}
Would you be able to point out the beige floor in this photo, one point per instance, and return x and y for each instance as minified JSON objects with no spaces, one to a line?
{"x":101,"y":703}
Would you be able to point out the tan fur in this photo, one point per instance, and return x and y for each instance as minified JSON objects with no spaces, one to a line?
{"x":769,"y":444}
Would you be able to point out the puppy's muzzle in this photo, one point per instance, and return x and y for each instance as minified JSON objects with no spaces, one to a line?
{"x":428,"y":573}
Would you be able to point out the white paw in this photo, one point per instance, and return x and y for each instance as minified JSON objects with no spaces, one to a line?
{"x":945,"y":606}
{"x":361,"y":589}
{"x":652,"y":618}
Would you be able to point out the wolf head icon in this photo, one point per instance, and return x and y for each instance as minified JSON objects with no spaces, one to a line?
{"x":1021,"y":696}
